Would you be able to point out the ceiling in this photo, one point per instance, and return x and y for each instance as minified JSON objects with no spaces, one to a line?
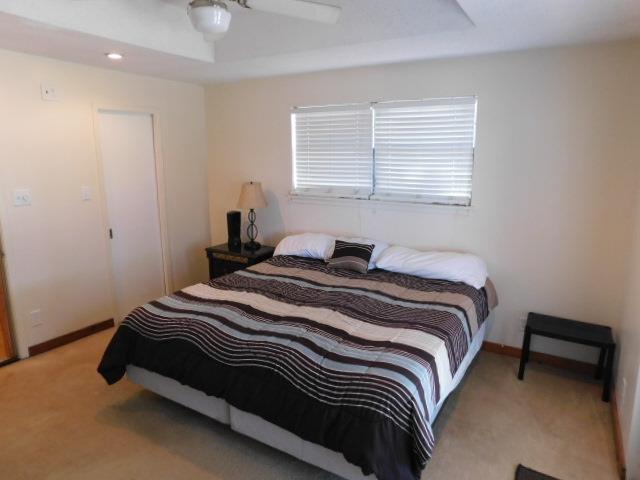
{"x":157,"y":39}
{"x":360,"y":22}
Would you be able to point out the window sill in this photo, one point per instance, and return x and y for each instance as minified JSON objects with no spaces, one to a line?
{"x":395,"y":205}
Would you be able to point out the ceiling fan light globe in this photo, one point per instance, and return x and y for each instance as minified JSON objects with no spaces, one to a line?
{"x":212,"y":19}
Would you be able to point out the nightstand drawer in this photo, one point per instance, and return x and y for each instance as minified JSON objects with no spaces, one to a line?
{"x":220,"y":268}
{"x":223,"y":260}
{"x":224,"y":257}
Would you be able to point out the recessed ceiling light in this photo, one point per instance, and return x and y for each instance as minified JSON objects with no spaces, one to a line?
{"x":114,"y":56}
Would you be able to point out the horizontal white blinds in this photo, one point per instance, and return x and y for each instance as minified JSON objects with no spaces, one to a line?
{"x":414,"y":151}
{"x":332,"y":149}
{"x":424,"y":150}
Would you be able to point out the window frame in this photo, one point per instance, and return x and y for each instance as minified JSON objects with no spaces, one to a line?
{"x":336,"y":193}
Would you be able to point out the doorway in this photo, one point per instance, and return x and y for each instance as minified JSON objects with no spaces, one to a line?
{"x":130,"y":179}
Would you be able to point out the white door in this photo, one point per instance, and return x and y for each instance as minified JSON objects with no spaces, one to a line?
{"x":130,"y":181}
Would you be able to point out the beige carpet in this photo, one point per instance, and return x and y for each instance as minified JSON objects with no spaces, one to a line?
{"x":59,"y":420}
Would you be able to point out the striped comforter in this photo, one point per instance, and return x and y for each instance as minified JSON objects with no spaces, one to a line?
{"x":354,"y":362}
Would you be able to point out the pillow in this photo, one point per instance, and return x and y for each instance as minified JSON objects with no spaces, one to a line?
{"x":456,"y":267}
{"x":351,"y":256}
{"x":309,"y":245}
{"x":379,"y":247}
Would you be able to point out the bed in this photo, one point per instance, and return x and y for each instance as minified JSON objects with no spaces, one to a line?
{"x":344,"y":370}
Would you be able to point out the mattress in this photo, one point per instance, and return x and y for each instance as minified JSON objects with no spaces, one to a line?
{"x":357,"y":363}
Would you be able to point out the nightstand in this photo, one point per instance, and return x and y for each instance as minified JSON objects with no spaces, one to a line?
{"x":223,"y":260}
{"x":599,"y":336}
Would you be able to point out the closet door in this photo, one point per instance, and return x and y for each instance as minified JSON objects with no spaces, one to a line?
{"x":130,"y":181}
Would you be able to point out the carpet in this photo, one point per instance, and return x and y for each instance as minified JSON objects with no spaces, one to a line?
{"x":60,"y":421}
{"x":524,"y":473}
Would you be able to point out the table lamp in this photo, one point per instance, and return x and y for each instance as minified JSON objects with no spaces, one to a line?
{"x":252,"y":197}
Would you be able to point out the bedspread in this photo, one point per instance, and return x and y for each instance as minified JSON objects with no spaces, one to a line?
{"x":354,"y":362}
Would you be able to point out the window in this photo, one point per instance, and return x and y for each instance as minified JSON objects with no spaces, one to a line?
{"x":332,"y":151}
{"x":411,"y":151}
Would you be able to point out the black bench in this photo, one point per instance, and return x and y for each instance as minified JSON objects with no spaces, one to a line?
{"x":577,"y":332}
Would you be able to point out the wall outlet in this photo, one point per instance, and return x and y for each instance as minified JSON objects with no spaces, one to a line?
{"x":36,"y":318}
{"x":48,"y":92}
{"x":21,"y":197}
{"x":523,"y":323}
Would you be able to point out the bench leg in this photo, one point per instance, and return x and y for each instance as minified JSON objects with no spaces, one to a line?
{"x":524,"y":356}
{"x":601,"y":359}
{"x":608,"y":374}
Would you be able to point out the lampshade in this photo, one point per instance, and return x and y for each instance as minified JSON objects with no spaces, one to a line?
{"x":251,"y":196}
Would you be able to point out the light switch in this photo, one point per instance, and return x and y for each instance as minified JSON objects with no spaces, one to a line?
{"x":21,"y":197}
{"x":86,"y":193}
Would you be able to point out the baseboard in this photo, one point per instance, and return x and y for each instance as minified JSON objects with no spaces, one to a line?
{"x":576,"y":366}
{"x":70,"y":337}
{"x":544,"y":358}
{"x":8,"y":361}
{"x":617,"y":436}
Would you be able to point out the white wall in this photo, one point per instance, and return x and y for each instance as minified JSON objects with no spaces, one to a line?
{"x":628,"y":374}
{"x":57,"y":248}
{"x":553,"y":184}
{"x":628,"y":381}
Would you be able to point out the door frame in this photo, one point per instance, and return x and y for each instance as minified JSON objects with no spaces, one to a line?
{"x":160,"y":190}
{"x":6,"y":327}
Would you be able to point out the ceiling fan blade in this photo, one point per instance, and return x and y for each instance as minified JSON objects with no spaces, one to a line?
{"x":316,"y":12}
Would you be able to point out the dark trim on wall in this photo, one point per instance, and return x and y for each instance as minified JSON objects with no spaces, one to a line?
{"x":70,"y":337}
{"x":576,"y":366}
{"x":9,"y":361}
{"x":544,"y":358}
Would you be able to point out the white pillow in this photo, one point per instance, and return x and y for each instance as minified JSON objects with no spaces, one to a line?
{"x":309,"y":245}
{"x":456,"y":267}
{"x":377,"y":250}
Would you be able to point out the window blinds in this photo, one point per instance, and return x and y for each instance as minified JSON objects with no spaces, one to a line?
{"x":414,"y":151}
{"x":424,"y":150}
{"x":333,"y":151}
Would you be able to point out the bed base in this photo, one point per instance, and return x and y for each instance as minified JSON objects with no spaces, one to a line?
{"x":266,"y":432}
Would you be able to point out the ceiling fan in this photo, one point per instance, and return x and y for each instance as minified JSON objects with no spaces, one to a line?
{"x":212,"y":17}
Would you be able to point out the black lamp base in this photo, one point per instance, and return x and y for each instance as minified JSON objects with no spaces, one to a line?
{"x":252,"y":232}
{"x":252,"y":245}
